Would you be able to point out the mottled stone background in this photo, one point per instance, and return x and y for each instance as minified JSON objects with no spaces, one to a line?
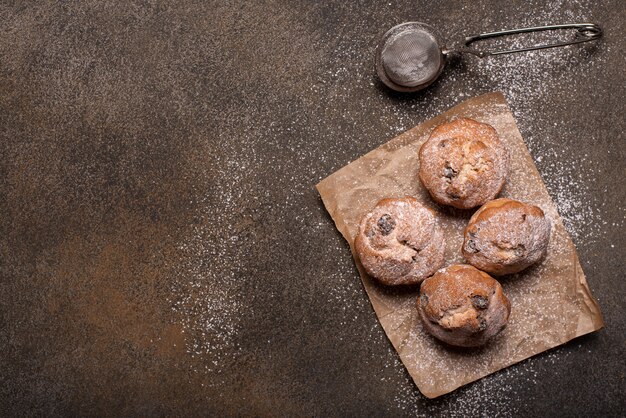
{"x":163,"y":250}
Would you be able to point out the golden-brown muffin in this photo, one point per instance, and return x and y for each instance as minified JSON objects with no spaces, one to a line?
{"x":463,"y":306}
{"x":399,"y":242}
{"x":505,"y":236}
{"x":463,"y":163}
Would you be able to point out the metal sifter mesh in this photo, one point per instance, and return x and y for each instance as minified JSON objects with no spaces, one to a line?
{"x":411,"y":57}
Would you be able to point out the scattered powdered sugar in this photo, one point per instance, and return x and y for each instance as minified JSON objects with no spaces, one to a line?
{"x":570,"y":188}
{"x":205,"y":295}
{"x":323,"y":111}
{"x":488,"y":397}
{"x":495,"y":396}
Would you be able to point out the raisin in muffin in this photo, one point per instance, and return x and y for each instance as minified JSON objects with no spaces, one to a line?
{"x":505,"y":236}
{"x":400,"y":242}
{"x":463,"y":306}
{"x":463,"y":163}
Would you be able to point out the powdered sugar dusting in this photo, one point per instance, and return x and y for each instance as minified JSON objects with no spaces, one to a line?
{"x":205,"y":296}
{"x":299,"y":119}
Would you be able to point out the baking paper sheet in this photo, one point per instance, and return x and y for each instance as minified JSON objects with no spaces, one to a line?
{"x":551,"y":302}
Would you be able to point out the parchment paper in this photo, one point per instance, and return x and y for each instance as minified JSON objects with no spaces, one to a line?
{"x":551,"y":302}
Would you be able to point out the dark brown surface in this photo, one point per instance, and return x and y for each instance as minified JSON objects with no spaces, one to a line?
{"x":163,"y":250}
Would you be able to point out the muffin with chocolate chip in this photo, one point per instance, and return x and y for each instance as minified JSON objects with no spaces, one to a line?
{"x":400,"y":242}
{"x":463,"y":163}
{"x":463,"y":306}
{"x":506,"y":236}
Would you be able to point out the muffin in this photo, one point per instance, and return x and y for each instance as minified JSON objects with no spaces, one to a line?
{"x":400,"y":242}
{"x":463,"y":306}
{"x":505,"y":236}
{"x":463,"y":163}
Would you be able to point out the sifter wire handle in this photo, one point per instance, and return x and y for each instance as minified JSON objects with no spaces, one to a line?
{"x":584,"y":32}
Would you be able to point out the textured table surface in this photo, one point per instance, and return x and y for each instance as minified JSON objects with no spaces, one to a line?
{"x":163,"y":250}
